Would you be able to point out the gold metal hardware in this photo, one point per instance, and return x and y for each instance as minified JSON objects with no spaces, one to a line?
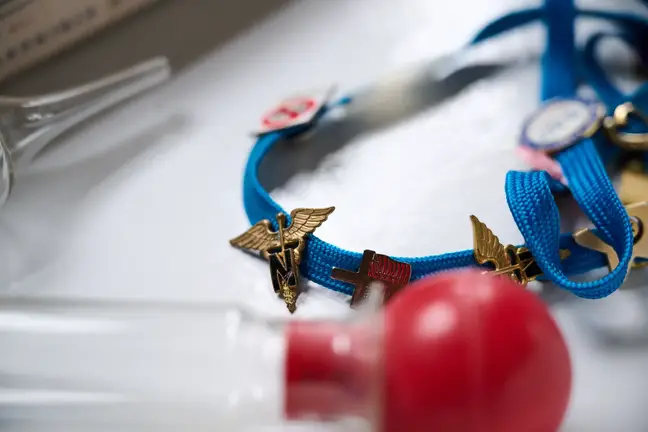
{"x":284,"y":247}
{"x":516,"y":262}
{"x":638,"y":213}
{"x":633,"y":186}
{"x":620,"y":118}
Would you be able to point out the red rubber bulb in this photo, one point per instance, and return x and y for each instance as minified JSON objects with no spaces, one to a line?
{"x":466,"y":352}
{"x":458,"y":352}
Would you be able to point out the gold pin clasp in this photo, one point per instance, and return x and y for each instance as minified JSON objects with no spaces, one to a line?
{"x":638,"y":213}
{"x":284,"y":247}
{"x":516,"y":262}
{"x":620,"y":118}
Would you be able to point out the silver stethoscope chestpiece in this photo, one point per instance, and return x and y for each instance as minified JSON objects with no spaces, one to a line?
{"x":29,"y":124}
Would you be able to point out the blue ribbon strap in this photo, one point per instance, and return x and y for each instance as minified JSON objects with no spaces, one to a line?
{"x":320,"y":257}
{"x":530,"y":195}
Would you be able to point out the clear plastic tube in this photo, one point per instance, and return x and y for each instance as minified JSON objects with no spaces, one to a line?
{"x":460,"y":352}
{"x":97,"y":366}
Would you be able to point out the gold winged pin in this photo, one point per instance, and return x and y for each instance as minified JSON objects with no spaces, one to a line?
{"x":516,"y":262}
{"x":283,"y":248}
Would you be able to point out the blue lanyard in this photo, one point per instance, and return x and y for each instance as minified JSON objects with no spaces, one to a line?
{"x":321,"y":257}
{"x":529,"y":194}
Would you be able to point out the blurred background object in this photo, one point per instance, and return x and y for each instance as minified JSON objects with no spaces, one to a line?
{"x":84,"y":39}
{"x":32,"y":31}
{"x":29,"y":124}
{"x":154,"y":367}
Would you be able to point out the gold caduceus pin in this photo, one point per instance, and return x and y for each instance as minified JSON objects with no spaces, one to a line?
{"x":284,"y":247}
{"x":516,"y":262}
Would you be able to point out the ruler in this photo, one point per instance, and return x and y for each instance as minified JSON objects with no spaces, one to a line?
{"x":32,"y":31}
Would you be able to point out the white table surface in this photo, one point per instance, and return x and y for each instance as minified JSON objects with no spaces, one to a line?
{"x":140,"y":203}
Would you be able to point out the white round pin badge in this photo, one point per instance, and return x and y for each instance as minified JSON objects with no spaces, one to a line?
{"x":561,"y":122}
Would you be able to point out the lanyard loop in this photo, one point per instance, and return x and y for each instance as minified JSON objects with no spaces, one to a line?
{"x":597,"y":78}
{"x":529,"y":194}
{"x":535,"y":212}
{"x":321,"y":257}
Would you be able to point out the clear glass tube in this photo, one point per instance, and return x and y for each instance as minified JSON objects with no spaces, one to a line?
{"x":98,"y":366}
{"x":29,"y":124}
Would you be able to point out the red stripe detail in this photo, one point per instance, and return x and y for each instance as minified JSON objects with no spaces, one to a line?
{"x":292,"y":109}
{"x":387,"y":270}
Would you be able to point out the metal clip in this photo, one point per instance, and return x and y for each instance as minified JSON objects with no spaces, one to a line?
{"x":29,"y":124}
{"x":626,"y":140}
{"x":638,"y":213}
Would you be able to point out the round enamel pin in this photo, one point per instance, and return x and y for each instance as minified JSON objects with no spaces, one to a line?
{"x":298,"y":110}
{"x":561,"y":122}
{"x":289,"y":111}
{"x":556,"y":125}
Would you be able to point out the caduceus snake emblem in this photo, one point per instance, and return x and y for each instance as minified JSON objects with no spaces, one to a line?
{"x":516,"y":262}
{"x":284,"y":247}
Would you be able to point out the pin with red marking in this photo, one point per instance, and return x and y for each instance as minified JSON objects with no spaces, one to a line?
{"x":298,"y":110}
